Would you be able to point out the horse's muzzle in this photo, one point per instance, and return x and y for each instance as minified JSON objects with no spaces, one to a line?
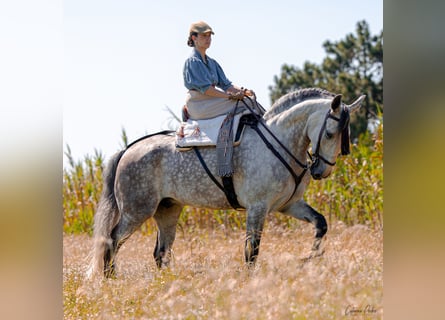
{"x":316,"y":175}
{"x":317,"y":169}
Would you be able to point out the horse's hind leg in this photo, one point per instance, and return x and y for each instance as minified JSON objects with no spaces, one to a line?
{"x":302,"y":211}
{"x":126,"y":226}
{"x":166,"y":218}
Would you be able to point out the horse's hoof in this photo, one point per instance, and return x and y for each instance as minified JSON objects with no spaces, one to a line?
{"x":313,"y":255}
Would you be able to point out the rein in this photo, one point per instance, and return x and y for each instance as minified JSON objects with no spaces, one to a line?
{"x":344,"y":142}
{"x":261,"y":121}
{"x":296,"y":177}
{"x":316,"y":155}
{"x":254,"y":126}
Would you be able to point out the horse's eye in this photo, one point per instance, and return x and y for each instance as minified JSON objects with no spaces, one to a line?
{"x":328,"y":135}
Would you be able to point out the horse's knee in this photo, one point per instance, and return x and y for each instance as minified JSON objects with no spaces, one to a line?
{"x":311,"y":215}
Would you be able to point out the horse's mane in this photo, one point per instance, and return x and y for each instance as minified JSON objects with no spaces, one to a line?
{"x":292,"y":98}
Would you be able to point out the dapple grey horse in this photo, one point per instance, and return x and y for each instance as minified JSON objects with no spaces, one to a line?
{"x":152,"y":178}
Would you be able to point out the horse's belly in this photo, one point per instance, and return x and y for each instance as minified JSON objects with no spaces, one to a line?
{"x":200,"y":195}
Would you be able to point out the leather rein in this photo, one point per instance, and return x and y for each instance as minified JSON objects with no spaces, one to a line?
{"x":314,"y":157}
{"x":254,"y":126}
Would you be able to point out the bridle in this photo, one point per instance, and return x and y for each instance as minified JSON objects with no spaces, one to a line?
{"x":316,"y":156}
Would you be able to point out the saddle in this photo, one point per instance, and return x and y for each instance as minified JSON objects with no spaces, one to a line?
{"x":204,"y":132}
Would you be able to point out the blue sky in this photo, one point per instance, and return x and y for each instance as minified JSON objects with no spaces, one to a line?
{"x":122,"y":60}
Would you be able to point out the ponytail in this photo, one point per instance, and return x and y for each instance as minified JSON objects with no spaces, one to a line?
{"x":190,"y":41}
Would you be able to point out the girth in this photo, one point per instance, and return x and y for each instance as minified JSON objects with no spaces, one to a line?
{"x":226,"y":187}
{"x":227,"y":182}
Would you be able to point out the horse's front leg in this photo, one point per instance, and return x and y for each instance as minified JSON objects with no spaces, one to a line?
{"x":255,"y":224}
{"x":302,"y":211}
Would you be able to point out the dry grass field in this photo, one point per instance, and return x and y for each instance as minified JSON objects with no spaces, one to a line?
{"x":208,"y":278}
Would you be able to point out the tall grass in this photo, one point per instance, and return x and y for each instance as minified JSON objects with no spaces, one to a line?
{"x":82,"y":186}
{"x":354,"y":191}
{"x":352,"y":194}
{"x":208,"y":278}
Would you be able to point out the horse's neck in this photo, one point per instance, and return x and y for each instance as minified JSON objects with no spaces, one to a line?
{"x":289,"y":127}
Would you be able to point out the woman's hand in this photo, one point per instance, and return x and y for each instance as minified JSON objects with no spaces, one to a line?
{"x":236,"y":95}
{"x":249,"y":93}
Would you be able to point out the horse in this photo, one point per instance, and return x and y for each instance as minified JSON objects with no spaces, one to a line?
{"x":152,"y":179}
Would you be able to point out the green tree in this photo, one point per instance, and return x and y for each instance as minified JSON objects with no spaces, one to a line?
{"x":353,"y":66}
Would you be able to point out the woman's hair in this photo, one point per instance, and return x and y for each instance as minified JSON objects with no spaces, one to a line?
{"x":190,"y":41}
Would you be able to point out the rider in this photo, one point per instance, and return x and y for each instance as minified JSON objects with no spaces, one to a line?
{"x":210,"y":92}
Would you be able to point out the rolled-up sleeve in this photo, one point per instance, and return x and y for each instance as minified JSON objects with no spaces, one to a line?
{"x":196,"y":76}
{"x":223,"y":82}
{"x":200,"y":76}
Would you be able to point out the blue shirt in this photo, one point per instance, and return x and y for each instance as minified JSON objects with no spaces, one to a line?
{"x":199,"y":75}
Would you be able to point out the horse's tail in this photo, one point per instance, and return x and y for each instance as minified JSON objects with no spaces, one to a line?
{"x":106,"y":218}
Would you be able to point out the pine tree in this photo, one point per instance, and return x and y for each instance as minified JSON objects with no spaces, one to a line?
{"x":353,"y":66}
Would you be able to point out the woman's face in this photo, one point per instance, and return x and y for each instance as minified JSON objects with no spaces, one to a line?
{"x":203,"y":40}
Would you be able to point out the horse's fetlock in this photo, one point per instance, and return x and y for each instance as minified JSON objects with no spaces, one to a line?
{"x":321,"y":230}
{"x":110,"y":270}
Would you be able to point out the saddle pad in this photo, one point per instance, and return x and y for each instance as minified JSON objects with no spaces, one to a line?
{"x":202,"y":132}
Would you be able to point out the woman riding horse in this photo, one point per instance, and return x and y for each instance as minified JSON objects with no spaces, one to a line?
{"x":152,"y":179}
{"x":210,"y":93}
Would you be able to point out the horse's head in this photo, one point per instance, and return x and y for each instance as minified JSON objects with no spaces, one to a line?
{"x":329,"y":135}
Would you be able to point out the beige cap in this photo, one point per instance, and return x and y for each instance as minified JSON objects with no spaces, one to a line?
{"x":200,"y":27}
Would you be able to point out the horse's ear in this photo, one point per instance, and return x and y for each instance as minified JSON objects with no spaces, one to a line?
{"x":336,"y":102}
{"x":356,"y":104}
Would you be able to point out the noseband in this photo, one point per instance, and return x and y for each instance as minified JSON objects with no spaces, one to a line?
{"x":316,"y":156}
